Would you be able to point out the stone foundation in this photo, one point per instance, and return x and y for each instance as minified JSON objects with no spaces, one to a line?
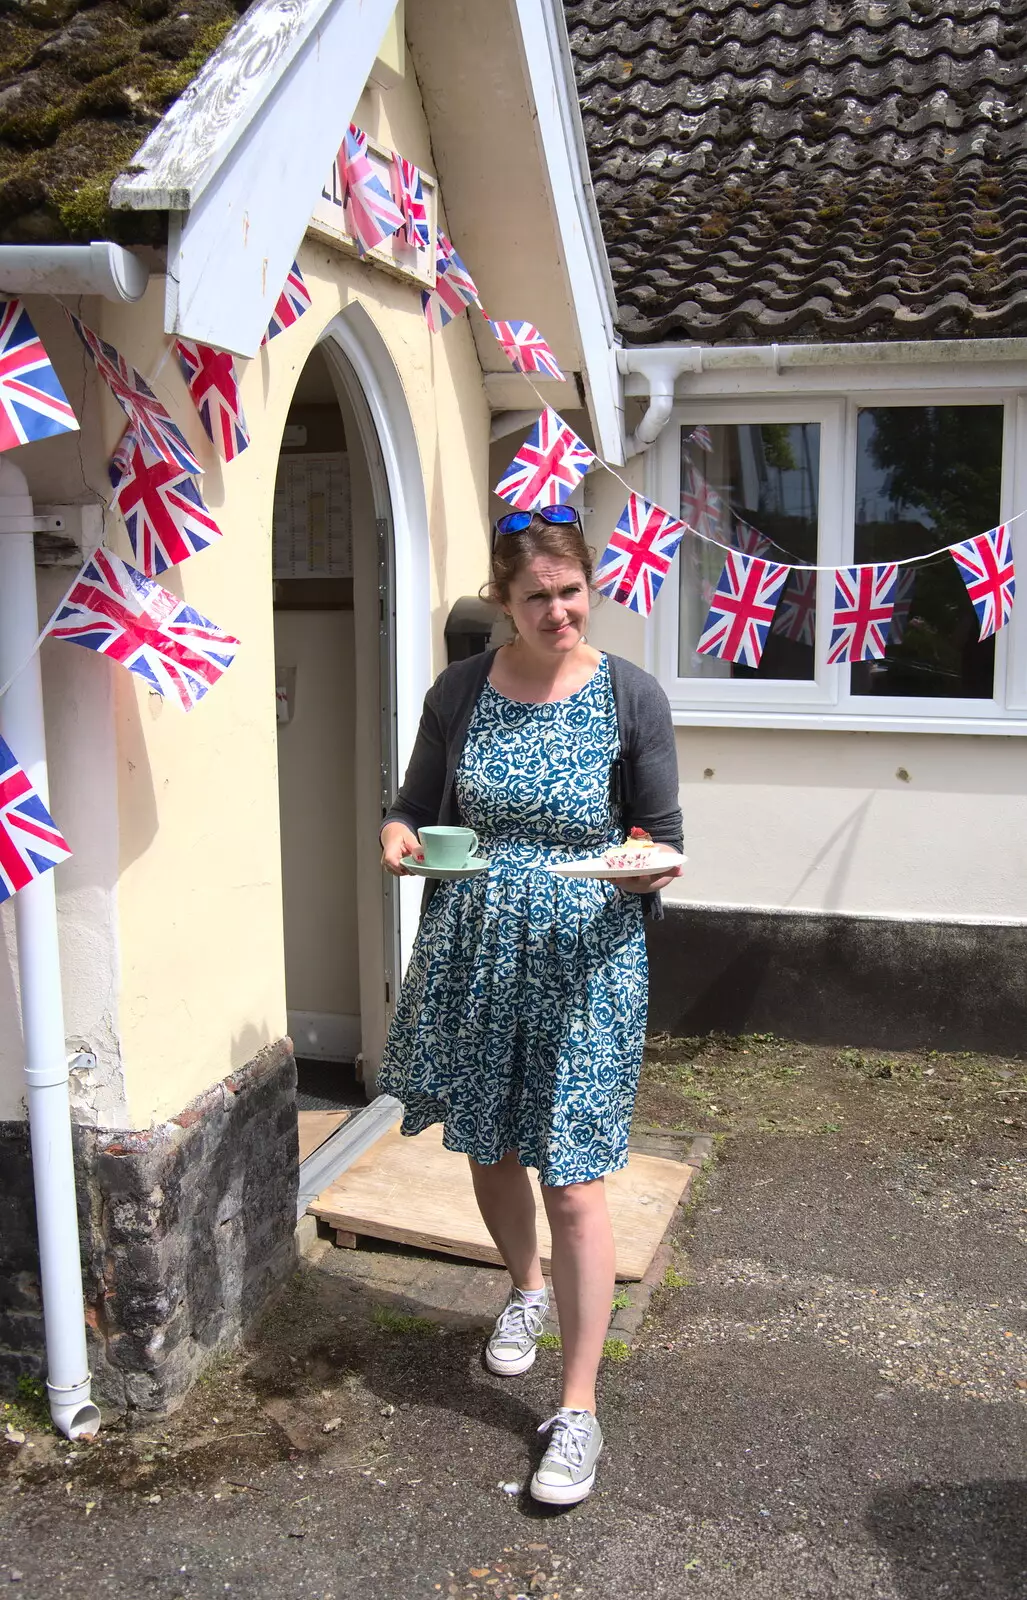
{"x":186,"y":1229}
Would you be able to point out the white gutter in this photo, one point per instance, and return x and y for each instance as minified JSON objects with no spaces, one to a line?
{"x":101,"y":268}
{"x":39,"y":974}
{"x":660,"y":366}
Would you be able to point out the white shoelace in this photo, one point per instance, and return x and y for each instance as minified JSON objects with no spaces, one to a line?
{"x":570,"y":1436}
{"x":520,"y":1317}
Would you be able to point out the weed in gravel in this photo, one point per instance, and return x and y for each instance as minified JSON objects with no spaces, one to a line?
{"x":549,"y":1341}
{"x":390,"y":1321}
{"x":29,"y":1412}
{"x":615,"y":1350}
{"x":620,"y":1300}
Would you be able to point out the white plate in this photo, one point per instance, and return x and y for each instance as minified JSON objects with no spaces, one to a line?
{"x":421,"y":869}
{"x":596,"y":867}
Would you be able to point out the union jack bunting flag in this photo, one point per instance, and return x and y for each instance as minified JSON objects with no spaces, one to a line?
{"x":742,"y":609}
{"x":30,"y":844}
{"x":863,"y":602}
{"x":164,"y":512}
{"x":454,"y":287}
{"x":526,"y":348}
{"x":750,"y":540}
{"x":795,"y":616}
{"x":290,"y":305}
{"x":903,"y":604}
{"x":408,"y":193}
{"x":702,"y":437}
{"x":32,"y":403}
{"x":986,"y":567}
{"x":371,"y":213}
{"x":147,"y":416}
{"x":701,"y":506}
{"x":638,"y":557}
{"x":117,"y":611}
{"x":547,"y":468}
{"x":214,"y":386}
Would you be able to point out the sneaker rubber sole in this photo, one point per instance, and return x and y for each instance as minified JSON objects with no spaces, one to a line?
{"x":510,"y":1369}
{"x":563,"y":1494}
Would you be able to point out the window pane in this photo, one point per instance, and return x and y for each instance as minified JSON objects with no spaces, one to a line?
{"x":760,"y":483}
{"x":927,"y":476}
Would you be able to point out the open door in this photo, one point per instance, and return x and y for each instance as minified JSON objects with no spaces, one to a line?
{"x":336,"y":716}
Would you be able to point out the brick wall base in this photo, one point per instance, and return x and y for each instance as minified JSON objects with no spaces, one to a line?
{"x":186,"y":1229}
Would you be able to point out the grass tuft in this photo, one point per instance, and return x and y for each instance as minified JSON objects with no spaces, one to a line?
{"x":401,"y":1322}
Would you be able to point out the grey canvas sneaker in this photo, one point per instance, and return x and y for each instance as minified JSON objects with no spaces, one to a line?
{"x":511,"y":1348}
{"x":567,"y":1471}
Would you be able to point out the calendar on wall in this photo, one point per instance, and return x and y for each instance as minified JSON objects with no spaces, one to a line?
{"x":312,"y":533}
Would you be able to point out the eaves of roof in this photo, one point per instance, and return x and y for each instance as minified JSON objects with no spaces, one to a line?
{"x":808,"y":170}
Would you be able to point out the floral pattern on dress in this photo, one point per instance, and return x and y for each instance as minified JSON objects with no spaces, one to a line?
{"x":521,"y":1019}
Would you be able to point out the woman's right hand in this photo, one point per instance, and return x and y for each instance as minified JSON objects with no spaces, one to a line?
{"x":397,"y":841}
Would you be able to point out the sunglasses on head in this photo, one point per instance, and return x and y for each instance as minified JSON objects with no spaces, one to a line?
{"x":517,"y":521}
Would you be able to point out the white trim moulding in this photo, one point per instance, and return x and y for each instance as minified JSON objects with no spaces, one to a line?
{"x":654,"y":371}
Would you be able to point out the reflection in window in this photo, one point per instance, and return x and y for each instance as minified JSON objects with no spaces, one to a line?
{"x":754,"y":486}
{"x":927,"y":476}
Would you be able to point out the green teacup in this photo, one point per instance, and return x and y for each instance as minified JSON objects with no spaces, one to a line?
{"x":447,"y":847}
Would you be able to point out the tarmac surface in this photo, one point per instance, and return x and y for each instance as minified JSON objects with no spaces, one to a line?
{"x":827,"y":1399}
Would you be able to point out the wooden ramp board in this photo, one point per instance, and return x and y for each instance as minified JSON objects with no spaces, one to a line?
{"x":415,"y":1192}
{"x":317,"y":1126}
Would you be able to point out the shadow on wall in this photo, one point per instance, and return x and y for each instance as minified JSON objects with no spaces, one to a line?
{"x":965,"y":1539}
{"x":846,"y":835}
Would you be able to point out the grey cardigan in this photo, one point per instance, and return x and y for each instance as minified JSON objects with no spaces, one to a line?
{"x":648,"y":776}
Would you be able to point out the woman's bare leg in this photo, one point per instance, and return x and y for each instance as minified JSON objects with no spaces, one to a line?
{"x":507,"y":1206}
{"x":583,"y":1278}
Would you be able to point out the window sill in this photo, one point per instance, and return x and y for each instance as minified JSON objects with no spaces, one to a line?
{"x":844,"y":722}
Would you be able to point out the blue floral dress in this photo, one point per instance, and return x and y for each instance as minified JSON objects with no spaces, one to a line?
{"x":521,"y":1019}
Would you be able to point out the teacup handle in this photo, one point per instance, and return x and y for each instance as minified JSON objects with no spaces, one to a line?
{"x":473,"y":851}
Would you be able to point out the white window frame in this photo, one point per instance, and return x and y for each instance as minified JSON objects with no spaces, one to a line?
{"x":826,"y":701}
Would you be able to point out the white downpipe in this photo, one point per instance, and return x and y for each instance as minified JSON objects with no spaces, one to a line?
{"x":661,"y":370}
{"x":101,"y":268}
{"x":42,"y":1011}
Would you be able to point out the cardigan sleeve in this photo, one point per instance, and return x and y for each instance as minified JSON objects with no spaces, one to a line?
{"x":420,"y":796}
{"x":653,"y":803}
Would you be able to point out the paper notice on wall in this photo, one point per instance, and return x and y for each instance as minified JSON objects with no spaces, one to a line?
{"x":312,"y":533}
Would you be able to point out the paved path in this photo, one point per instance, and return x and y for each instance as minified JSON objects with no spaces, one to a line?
{"x":834,"y":1406}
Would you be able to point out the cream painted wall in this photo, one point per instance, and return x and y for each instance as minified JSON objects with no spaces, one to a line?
{"x":171,"y":914}
{"x":224,"y":938}
{"x":316,"y":757}
{"x":80,"y":696}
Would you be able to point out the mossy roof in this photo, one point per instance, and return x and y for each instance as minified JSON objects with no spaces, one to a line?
{"x":81,"y":86}
{"x":808,"y":170}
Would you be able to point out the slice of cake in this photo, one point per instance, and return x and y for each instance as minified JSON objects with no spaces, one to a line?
{"x":639,"y":852}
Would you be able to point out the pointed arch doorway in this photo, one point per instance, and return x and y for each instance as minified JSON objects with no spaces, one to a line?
{"x":353,"y":651}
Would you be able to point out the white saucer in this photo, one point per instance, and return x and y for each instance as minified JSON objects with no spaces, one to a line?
{"x":470,"y":869}
{"x":596,"y":867}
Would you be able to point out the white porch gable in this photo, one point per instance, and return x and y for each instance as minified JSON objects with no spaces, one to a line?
{"x":240,"y":159}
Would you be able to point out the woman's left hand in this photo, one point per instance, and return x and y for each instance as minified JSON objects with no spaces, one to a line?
{"x":649,"y":883}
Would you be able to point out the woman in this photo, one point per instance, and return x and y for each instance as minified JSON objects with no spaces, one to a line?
{"x":522,"y":1016}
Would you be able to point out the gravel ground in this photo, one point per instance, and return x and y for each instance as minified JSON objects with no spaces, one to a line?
{"x":828,"y":1399}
